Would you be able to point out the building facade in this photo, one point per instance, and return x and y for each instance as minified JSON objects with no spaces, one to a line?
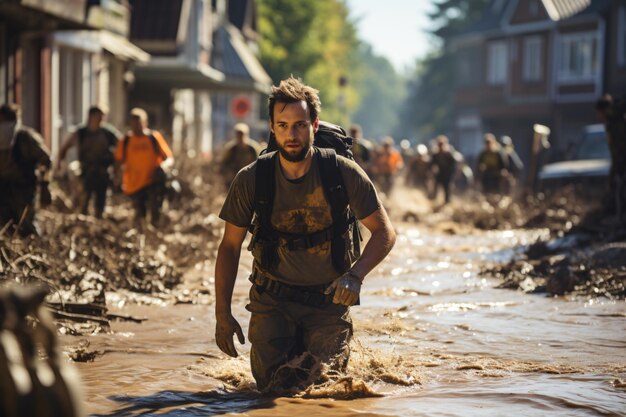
{"x":537,"y":61}
{"x":203,"y":75}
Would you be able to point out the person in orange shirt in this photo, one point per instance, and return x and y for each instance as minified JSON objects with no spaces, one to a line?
{"x":387,"y":163}
{"x":146,"y":159}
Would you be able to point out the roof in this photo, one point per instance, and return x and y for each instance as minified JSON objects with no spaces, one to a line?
{"x":562,"y":9}
{"x":155,"y":19}
{"x":177,"y":76}
{"x":233,"y":57}
{"x":497,"y":12}
{"x":122,"y":48}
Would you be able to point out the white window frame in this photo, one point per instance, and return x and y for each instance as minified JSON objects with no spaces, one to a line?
{"x":621,"y":36}
{"x":583,"y":47}
{"x":532,"y":69}
{"x":497,"y":63}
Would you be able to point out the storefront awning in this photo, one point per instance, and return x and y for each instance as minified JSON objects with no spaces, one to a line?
{"x":122,"y":48}
{"x":178,"y":77}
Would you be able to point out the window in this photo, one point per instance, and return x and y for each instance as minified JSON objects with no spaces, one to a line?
{"x":621,"y":36}
{"x":532,"y":69}
{"x":496,"y":63}
{"x":578,"y":57}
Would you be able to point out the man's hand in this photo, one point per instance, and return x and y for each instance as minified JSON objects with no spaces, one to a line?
{"x":347,"y":289}
{"x":225,"y":328}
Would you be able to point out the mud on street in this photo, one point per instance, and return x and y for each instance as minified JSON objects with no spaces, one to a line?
{"x":481,"y":309}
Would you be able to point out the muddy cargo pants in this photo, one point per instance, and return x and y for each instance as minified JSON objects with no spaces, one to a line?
{"x":283,"y":330}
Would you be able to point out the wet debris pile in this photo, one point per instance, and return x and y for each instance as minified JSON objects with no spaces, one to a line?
{"x":36,"y":379}
{"x":589,"y":260}
{"x":557,"y":211}
{"x":80,"y":258}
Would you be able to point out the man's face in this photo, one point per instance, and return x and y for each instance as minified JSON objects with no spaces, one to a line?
{"x":137,"y":124}
{"x":95,"y":119}
{"x":294,"y":130}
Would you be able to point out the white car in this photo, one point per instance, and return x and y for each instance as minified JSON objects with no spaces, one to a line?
{"x":590,"y":164}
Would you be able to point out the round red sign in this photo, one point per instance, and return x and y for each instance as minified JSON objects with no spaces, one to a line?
{"x":240,"y":106}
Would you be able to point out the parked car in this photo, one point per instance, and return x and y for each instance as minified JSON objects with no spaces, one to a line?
{"x":590,"y":163}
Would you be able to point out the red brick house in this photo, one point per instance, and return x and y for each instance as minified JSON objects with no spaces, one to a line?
{"x":537,"y":61}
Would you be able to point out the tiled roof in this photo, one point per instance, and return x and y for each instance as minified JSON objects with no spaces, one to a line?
{"x":234,"y":58}
{"x":155,"y":19}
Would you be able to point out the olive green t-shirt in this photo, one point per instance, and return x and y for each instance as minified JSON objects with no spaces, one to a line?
{"x":300,"y":207}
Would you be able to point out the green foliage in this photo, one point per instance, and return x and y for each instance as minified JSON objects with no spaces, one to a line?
{"x":382,"y":92}
{"x":313,"y":40}
{"x":429,"y":106}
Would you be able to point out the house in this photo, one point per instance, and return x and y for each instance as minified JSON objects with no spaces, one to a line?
{"x":57,"y":58}
{"x":30,"y":59}
{"x":203,"y":76}
{"x":537,"y":61}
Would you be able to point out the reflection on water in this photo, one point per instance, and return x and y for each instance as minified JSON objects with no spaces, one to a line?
{"x":432,"y":336}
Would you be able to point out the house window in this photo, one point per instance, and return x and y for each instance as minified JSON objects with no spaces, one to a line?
{"x":578,"y":57}
{"x":496,"y":63}
{"x":621,"y":37}
{"x":532,"y":69}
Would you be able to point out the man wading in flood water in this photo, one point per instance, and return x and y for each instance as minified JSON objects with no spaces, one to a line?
{"x":305,"y":276}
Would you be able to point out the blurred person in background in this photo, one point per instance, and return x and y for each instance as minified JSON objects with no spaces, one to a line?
{"x":418,"y":173}
{"x":24,"y":165}
{"x":239,"y":152}
{"x":443,"y":165}
{"x":492,"y":166}
{"x":146,"y":161}
{"x":387,"y":162}
{"x":514,"y":163}
{"x":612,"y":113}
{"x":96,"y":143}
{"x":362,"y":149}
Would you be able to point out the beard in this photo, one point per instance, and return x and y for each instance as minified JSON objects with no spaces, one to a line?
{"x":295,"y":157}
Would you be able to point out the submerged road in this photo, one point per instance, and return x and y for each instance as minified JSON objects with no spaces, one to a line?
{"x":433,"y":338}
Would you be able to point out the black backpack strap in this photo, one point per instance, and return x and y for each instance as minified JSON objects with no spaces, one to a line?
{"x":125,"y":147}
{"x":337,"y":197}
{"x":81,"y":133}
{"x":264,"y":191}
{"x":153,"y":140}
{"x":156,"y":147}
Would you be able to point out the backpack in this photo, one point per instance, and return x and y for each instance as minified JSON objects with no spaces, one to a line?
{"x":330,"y":140}
{"x":153,"y":140}
{"x":111,"y":138}
{"x":168,"y":180}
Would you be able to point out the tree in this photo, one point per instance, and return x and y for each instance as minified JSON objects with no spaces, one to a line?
{"x":382,"y":92}
{"x":313,"y":40}
{"x":428,"y":109}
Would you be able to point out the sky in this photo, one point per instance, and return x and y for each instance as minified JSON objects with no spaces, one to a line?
{"x":395,"y":28}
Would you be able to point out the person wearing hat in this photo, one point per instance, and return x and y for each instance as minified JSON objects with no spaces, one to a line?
{"x":238,"y":153}
{"x":146,"y":159}
{"x":95,"y":142}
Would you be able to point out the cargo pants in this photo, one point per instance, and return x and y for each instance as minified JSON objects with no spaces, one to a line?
{"x":281,"y":331}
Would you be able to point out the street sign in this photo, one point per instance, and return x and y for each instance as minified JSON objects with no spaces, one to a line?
{"x":240,"y":106}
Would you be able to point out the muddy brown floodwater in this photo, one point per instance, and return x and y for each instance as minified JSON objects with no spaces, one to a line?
{"x":433,"y":338}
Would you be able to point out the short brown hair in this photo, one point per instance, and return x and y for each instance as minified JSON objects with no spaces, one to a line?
{"x":10,"y":112}
{"x":293,"y":90}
